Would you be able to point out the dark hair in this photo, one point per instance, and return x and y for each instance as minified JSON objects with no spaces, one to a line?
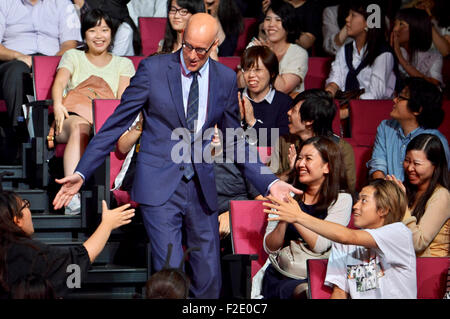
{"x":343,"y":11}
{"x":230,"y":17}
{"x":93,"y":18}
{"x":432,"y":147}
{"x":33,"y":286}
{"x":426,"y":99}
{"x":168,"y":284}
{"x":288,"y":19}
{"x":419,"y":29}
{"x":335,"y":181}
{"x":319,"y":107}
{"x":170,"y":35}
{"x":10,"y":208}
{"x":251,"y":56}
{"x":376,"y":37}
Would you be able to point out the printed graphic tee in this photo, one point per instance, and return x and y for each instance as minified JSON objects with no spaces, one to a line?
{"x":388,"y":272}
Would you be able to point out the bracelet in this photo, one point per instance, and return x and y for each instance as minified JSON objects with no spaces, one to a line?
{"x":138,"y":127}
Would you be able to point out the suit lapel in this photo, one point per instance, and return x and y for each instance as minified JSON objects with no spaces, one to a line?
{"x":174,"y":82}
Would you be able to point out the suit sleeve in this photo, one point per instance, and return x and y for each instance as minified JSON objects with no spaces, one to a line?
{"x":133,"y":100}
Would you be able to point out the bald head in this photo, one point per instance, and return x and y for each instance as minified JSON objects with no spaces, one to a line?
{"x":202,"y":26}
{"x":200,"y":38}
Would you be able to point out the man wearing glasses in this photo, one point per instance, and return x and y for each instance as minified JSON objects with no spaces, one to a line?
{"x":183,"y":93}
{"x":417,"y":110}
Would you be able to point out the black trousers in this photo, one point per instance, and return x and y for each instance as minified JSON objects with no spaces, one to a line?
{"x":15,"y":82}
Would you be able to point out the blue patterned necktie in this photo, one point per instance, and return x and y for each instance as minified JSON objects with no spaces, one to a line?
{"x":191,"y":117}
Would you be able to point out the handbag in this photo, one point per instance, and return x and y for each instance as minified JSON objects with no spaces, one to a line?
{"x":290,"y":261}
{"x":79,"y":101}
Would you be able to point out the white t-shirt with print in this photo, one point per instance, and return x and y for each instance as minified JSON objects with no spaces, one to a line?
{"x":388,"y":272}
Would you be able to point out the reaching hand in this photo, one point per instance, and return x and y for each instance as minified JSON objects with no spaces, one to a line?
{"x":224,"y":224}
{"x":114,"y":218}
{"x":397,"y":181}
{"x":292,"y":156}
{"x":287,"y":211}
{"x":70,"y":186}
{"x":280,"y":190}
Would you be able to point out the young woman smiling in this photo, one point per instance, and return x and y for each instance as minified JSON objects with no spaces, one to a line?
{"x":427,"y":189}
{"x":75,"y":67}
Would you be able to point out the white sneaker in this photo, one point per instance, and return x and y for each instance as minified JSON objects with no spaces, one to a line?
{"x":74,"y":207}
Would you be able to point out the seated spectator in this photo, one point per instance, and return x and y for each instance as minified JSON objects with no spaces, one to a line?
{"x":127,"y":39}
{"x":438,"y":11}
{"x":414,"y":53}
{"x":281,"y":32}
{"x":262,"y":106}
{"x":311,"y":114}
{"x":319,"y":175}
{"x":309,"y":18}
{"x":427,"y":190}
{"x":178,"y":13}
{"x":26,"y":30}
{"x":376,"y":261}
{"x":21,"y":256}
{"x":417,"y":110}
{"x":366,"y":63}
{"x":334,"y":29}
{"x":231,"y":24}
{"x":75,"y":67}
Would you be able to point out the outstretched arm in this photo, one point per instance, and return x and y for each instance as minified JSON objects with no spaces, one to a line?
{"x":111,"y":219}
{"x":289,"y":211}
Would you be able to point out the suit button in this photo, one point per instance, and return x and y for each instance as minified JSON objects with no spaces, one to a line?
{"x":181,"y":168}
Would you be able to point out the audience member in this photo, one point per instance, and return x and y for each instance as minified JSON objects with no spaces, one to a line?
{"x":366,"y":63}
{"x":262,"y":106}
{"x":427,"y":190}
{"x":21,"y":256}
{"x":438,"y":11}
{"x":375,"y":261}
{"x":319,"y":174}
{"x":311,"y":114}
{"x":127,"y":39}
{"x":414,"y":53}
{"x":75,"y":67}
{"x":334,"y":28}
{"x":26,"y":30}
{"x":281,"y":32}
{"x":178,"y":13}
{"x":309,"y":19}
{"x":417,"y":110}
{"x":231,"y":24}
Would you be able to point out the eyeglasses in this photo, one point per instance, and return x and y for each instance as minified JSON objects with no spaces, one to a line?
{"x":26,"y":204}
{"x":401,"y":97}
{"x":182,"y":11}
{"x":200,"y":51}
{"x":254,"y":70}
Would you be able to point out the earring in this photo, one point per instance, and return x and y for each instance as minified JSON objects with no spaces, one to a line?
{"x":366,"y":29}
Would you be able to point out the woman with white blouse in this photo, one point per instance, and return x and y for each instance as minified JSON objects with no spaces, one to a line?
{"x":365,"y":63}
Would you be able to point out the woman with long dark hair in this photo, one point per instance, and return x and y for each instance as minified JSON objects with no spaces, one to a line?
{"x":319,"y":174}
{"x":178,"y":14}
{"x":427,"y":189}
{"x":411,"y":39}
{"x":365,"y":63}
{"x":22,"y":257}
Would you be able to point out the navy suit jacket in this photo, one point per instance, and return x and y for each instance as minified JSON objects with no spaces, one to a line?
{"x":156,"y":90}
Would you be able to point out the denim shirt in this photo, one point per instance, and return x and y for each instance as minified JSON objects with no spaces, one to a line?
{"x":390,"y":148}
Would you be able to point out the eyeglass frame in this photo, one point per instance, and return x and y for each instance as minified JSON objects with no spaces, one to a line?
{"x":401,"y":97}
{"x":189,"y":47}
{"x":175,"y":10}
{"x":26,"y":205}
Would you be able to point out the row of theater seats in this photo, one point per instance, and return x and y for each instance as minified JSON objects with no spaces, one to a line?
{"x":248,"y":223}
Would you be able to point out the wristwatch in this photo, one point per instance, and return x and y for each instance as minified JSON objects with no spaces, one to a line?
{"x":138,"y":127}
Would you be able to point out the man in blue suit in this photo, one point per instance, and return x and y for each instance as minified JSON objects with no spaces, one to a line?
{"x":184,"y":93}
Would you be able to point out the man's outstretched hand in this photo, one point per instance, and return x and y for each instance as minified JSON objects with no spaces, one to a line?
{"x":70,"y":186}
{"x":281,"y":190}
